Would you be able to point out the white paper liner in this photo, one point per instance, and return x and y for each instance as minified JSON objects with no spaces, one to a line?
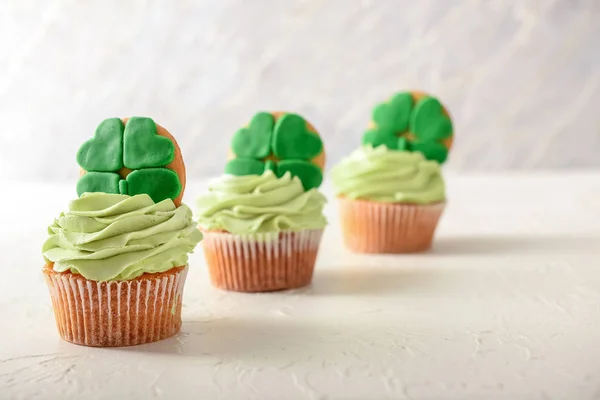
{"x":261,"y":262}
{"x":372,"y":227}
{"x":118,"y":313}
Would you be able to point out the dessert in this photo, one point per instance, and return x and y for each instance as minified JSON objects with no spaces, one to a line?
{"x":116,"y":259}
{"x":390,"y":190}
{"x":263,"y":219}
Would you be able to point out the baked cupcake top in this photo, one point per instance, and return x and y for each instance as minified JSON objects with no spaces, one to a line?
{"x":129,"y":219}
{"x":259,"y":204}
{"x":388,"y":176}
{"x":270,"y":183}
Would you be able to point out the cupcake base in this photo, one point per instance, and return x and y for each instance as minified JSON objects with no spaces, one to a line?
{"x":261,"y":263}
{"x":117,"y":313}
{"x":372,"y":227}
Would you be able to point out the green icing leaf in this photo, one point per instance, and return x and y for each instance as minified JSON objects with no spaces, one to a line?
{"x":255,"y":140}
{"x":392,"y":120}
{"x":143,"y":147}
{"x":107,"y":182}
{"x":394,"y":115}
{"x":428,"y":123}
{"x":431,"y":150}
{"x":270,"y":165}
{"x":402,"y":144}
{"x":123,"y":189}
{"x":377,"y":137}
{"x":104,"y":151}
{"x":310,"y":175}
{"x":293,"y":140}
{"x":158,"y":183}
{"x":244,"y":166}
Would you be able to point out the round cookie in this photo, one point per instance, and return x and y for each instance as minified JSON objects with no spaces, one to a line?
{"x":281,"y":142}
{"x":413,"y":121}
{"x":132,"y":156}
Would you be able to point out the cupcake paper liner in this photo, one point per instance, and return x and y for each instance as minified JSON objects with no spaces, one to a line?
{"x":372,"y":227}
{"x":261,"y":262}
{"x":117,"y":313}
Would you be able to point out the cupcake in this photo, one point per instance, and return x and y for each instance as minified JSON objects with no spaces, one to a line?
{"x":116,"y":259}
{"x":391,"y":191}
{"x":263,"y":219}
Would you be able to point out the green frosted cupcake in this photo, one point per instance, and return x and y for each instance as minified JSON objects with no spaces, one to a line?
{"x":391,"y":190}
{"x":263,"y":219}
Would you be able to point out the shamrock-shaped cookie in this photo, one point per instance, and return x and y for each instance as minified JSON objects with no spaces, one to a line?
{"x":412,"y":121}
{"x":132,"y":156}
{"x":280,"y":142}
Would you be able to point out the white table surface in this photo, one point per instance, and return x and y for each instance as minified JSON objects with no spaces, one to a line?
{"x":505,"y":306}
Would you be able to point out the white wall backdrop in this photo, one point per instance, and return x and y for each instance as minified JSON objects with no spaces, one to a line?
{"x":521,"y":77}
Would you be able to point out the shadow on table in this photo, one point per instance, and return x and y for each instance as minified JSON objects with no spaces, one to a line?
{"x":377,"y":280}
{"x":437,"y":269}
{"x":509,"y":245}
{"x":281,"y":342}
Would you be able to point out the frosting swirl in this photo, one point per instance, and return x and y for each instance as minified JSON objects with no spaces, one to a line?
{"x":260,"y":203}
{"x":118,"y":237}
{"x":388,"y":176}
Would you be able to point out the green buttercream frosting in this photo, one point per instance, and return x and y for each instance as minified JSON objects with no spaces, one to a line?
{"x":388,"y":176}
{"x":118,"y":237}
{"x":260,"y":204}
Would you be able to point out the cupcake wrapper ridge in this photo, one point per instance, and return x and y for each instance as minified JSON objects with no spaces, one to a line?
{"x":261,"y":262}
{"x":117,"y":313}
{"x":372,"y":227}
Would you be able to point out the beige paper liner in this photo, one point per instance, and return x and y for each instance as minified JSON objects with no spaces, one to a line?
{"x":118,"y":313}
{"x":372,"y":227}
{"x":261,"y":263}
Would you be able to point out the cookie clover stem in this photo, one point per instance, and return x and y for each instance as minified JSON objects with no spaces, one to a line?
{"x":280,"y":142}
{"x":132,"y":156}
{"x":412,"y":121}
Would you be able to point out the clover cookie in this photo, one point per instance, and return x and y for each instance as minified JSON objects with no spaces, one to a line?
{"x":132,"y":156}
{"x":413,"y":121}
{"x":281,"y":142}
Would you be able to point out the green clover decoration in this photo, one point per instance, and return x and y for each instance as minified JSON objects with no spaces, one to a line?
{"x":136,"y":146}
{"x":285,"y":145}
{"x":402,"y":124}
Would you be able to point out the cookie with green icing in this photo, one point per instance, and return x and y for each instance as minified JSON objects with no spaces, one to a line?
{"x":132,"y":156}
{"x":280,"y":142}
{"x":412,"y":121}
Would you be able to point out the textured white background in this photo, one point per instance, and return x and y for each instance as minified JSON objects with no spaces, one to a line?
{"x":521,"y":78}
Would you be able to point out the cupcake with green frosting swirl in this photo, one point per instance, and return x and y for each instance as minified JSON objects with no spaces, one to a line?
{"x":116,"y":259}
{"x":391,"y":191}
{"x":263,"y":218}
